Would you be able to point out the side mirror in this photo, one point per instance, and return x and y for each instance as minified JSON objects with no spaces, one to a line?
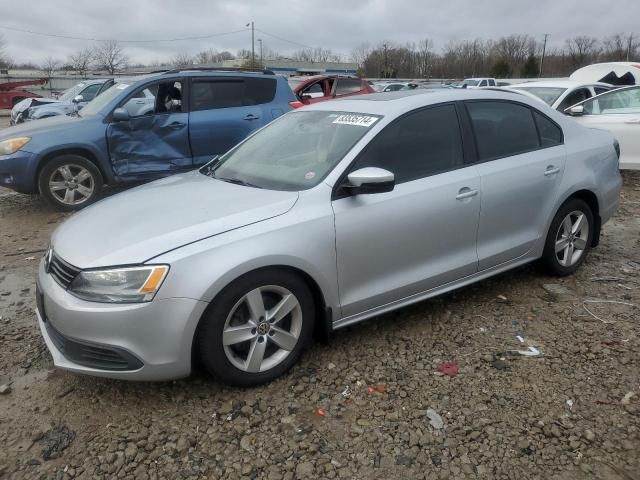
{"x":370,"y":180}
{"x":575,"y":111}
{"x":120,"y":115}
{"x":78,"y":99}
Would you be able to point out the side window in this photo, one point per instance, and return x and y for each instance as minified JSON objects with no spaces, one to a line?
{"x":600,"y":90}
{"x":420,"y":144}
{"x":348,"y":85}
{"x":483,"y":83}
{"x":213,"y":94}
{"x":502,"y":129}
{"x":90,"y":92}
{"x":574,"y":97}
{"x":163,"y":97}
{"x":617,"y":101}
{"x":550,"y":133}
{"x":315,"y":90}
{"x":492,"y":82}
{"x":260,"y":90}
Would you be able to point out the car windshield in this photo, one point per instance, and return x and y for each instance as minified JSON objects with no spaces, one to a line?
{"x":98,"y":103}
{"x":296,"y":152}
{"x":547,"y":94}
{"x":70,"y":93}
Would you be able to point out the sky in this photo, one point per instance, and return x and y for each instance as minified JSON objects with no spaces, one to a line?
{"x":286,"y":26}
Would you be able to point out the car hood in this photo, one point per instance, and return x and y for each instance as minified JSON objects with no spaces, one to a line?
{"x":56,"y":108}
{"x":45,"y":125}
{"x":22,"y":105}
{"x":137,"y":225}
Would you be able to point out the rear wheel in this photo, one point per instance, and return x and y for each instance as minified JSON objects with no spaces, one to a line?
{"x":569,"y":238}
{"x":70,"y":182}
{"x":257,"y":328}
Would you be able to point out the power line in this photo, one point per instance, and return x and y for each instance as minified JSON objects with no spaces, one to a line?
{"x":284,"y":39}
{"x":69,"y":37}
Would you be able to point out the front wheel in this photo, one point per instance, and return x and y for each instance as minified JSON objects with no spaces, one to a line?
{"x":257,"y":328}
{"x":569,"y":238}
{"x":70,"y":182}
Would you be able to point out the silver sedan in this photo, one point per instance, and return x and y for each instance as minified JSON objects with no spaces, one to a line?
{"x":330,"y":215}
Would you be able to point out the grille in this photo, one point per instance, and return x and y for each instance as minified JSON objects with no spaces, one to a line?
{"x":92,"y":355}
{"x":62,"y":272}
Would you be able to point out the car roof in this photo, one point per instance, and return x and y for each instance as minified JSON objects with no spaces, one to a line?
{"x":398,"y":102}
{"x":559,"y":84}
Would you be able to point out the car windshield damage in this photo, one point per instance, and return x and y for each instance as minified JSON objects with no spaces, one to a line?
{"x":98,"y":103}
{"x":296,"y":152}
{"x":547,"y":94}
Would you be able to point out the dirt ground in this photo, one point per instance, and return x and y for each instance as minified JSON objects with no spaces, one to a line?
{"x":372,"y":404}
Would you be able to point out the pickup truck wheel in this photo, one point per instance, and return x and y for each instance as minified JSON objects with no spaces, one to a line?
{"x":70,"y":182}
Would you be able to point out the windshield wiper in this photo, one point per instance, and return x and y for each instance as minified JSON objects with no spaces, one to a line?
{"x":236,"y":181}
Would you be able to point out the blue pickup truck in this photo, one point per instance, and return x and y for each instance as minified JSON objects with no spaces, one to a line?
{"x":159,"y":125}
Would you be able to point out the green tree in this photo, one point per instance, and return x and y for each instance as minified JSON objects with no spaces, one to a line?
{"x":530,"y":68}
{"x":501,"y":69}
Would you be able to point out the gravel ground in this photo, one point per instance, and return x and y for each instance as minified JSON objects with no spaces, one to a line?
{"x":370,"y":405}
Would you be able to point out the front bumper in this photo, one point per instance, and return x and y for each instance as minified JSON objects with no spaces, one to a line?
{"x":18,"y":171}
{"x":142,"y":341}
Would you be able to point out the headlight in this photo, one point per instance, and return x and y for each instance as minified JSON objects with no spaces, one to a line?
{"x":119,"y":285}
{"x":7,"y":147}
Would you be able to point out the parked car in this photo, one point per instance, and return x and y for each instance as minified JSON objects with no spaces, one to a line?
{"x":562,"y":94}
{"x":11,"y":93}
{"x":236,"y":264}
{"x":474,"y":83}
{"x":118,"y":138}
{"x":617,"y":111}
{"x":320,"y":88}
{"x":72,"y":100}
{"x":394,"y":86}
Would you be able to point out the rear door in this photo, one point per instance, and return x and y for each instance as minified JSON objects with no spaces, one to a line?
{"x":225,"y":110}
{"x":155,"y":140}
{"x":422,"y":234}
{"x":520,"y":172}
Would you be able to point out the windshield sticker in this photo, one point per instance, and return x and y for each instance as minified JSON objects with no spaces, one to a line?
{"x":309,"y":175}
{"x":353,"y":119}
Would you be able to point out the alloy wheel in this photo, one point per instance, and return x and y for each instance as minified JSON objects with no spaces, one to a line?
{"x":262,"y":329}
{"x":571,"y":238}
{"x":71,"y":184}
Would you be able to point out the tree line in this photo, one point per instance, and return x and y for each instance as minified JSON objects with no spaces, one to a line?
{"x":515,"y":55}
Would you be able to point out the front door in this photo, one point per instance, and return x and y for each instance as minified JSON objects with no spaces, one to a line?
{"x":520,"y":174}
{"x":155,"y":140}
{"x":422,"y":234}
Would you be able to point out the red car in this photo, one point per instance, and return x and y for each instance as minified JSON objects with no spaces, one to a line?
{"x":10,"y":93}
{"x":326,"y":87}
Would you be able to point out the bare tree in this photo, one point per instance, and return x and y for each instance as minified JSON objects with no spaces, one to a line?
{"x":360,"y":53}
{"x":181,"y":60}
{"x":81,"y":60}
{"x":212,"y":56}
{"x":110,"y":56}
{"x":582,"y":50}
{"x":314,"y":55}
{"x":49,"y":66}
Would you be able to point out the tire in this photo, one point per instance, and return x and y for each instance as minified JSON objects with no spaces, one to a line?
{"x":78,"y":187}
{"x":239,"y":362}
{"x":574,"y":247}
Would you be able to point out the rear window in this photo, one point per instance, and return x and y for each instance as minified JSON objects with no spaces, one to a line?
{"x":348,"y":85}
{"x":233,"y":92}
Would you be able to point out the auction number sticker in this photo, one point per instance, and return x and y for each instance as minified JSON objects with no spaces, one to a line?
{"x":354,"y":119}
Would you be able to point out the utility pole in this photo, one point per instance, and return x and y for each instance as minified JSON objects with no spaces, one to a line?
{"x":253,"y":46}
{"x":386,"y":61}
{"x":544,"y":50}
{"x":261,"y":63}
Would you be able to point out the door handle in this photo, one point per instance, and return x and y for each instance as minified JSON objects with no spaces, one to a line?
{"x":551,"y":170}
{"x":251,"y":117}
{"x":466,"y":192}
{"x":175,"y":125}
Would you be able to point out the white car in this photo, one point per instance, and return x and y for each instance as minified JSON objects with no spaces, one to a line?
{"x":619,"y":112}
{"x":394,"y":86}
{"x":562,"y":94}
{"x":475,"y":83}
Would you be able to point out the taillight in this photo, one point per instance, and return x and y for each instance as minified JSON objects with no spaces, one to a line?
{"x":296,"y":104}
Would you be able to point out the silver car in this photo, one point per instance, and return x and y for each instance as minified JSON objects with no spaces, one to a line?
{"x":332,"y":214}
